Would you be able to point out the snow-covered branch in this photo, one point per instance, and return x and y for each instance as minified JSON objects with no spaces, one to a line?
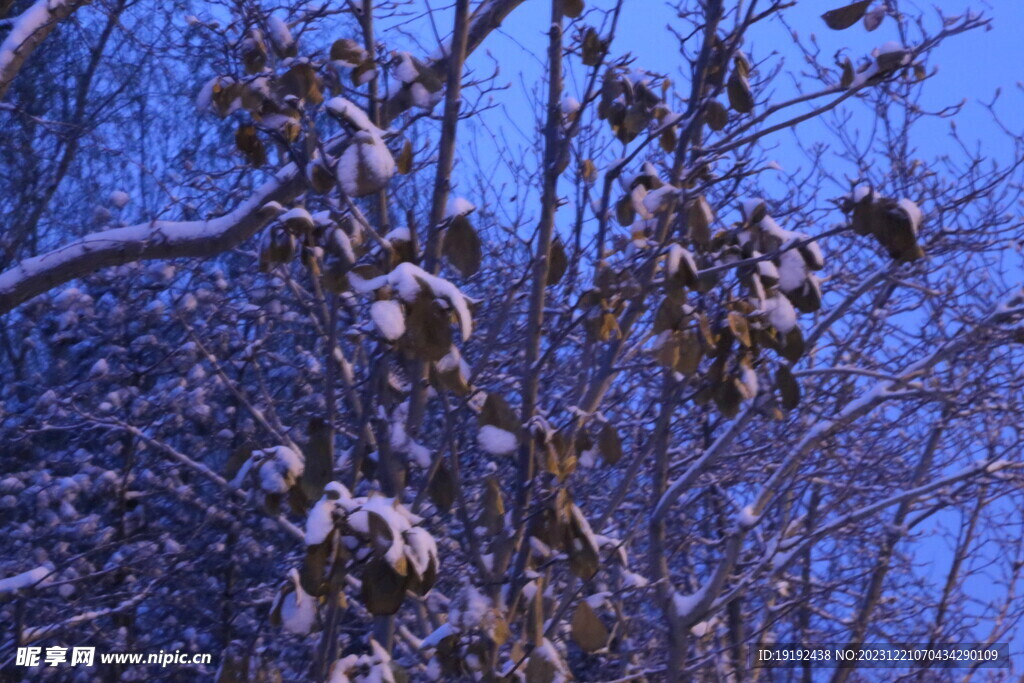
{"x":151,"y":240}
{"x":28,"y":31}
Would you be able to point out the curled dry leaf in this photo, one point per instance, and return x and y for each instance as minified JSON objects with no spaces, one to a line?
{"x":845,"y":17}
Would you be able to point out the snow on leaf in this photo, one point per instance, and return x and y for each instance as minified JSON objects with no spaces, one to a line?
{"x":406,"y":279}
{"x":913,"y":211}
{"x":352,"y":114}
{"x":366,"y":165}
{"x":280,"y":469}
{"x":781,"y":313}
{"x":388,"y":317}
{"x":496,"y":441}
{"x":458,"y":206}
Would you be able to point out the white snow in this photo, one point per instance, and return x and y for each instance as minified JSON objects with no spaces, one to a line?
{"x":280,"y":34}
{"x":792,"y":270}
{"x":781,"y":313}
{"x":399,"y":521}
{"x":747,"y":518}
{"x":632,"y":580}
{"x":406,"y":70}
{"x":352,"y":113}
{"x":913,"y":211}
{"x":298,"y":611}
{"x":421,"y":549}
{"x":677,"y":255}
{"x":119,"y":198}
{"x":406,"y":279}
{"x":864,"y":76}
{"x":749,"y":205}
{"x":25,"y":579}
{"x":341,"y":243}
{"x":367,"y":161}
{"x":439,"y":634}
{"x":768,"y":270}
{"x":459,"y":206}
{"x":546,"y":650}
{"x":298,"y":215}
{"x":280,"y":468}
{"x":399,"y":235}
{"x":401,"y":442}
{"x":388,"y":317}
{"x":496,"y":441}
{"x":320,"y":521}
{"x":862,"y":191}
{"x":684,"y":605}
{"x":204,"y":100}
{"x":890,"y":47}
{"x":656,"y":200}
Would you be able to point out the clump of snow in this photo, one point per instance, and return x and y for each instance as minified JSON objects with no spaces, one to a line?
{"x":399,"y":235}
{"x":496,"y":441}
{"x":280,"y":35}
{"x":434,"y":639}
{"x":632,"y":580}
{"x":297,"y":216}
{"x":406,"y":70}
{"x":204,"y":100}
{"x":749,"y":205}
{"x":747,"y":518}
{"x":459,"y":206}
{"x":890,"y":47}
{"x":388,"y":317}
{"x":861,"y":192}
{"x":279,"y":468}
{"x":119,"y":198}
{"x":913,"y":211}
{"x":414,"y":544}
{"x":767,"y":269}
{"x":547,"y":651}
{"x":401,"y":442}
{"x":656,"y":200}
{"x":421,"y":97}
{"x":352,"y":114}
{"x":320,"y":521}
{"x":406,"y":279}
{"x":421,"y":549}
{"x":781,"y":313}
{"x":792,"y":270}
{"x":339,"y":241}
{"x":677,"y":255}
{"x":365,"y":165}
{"x":298,"y":609}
